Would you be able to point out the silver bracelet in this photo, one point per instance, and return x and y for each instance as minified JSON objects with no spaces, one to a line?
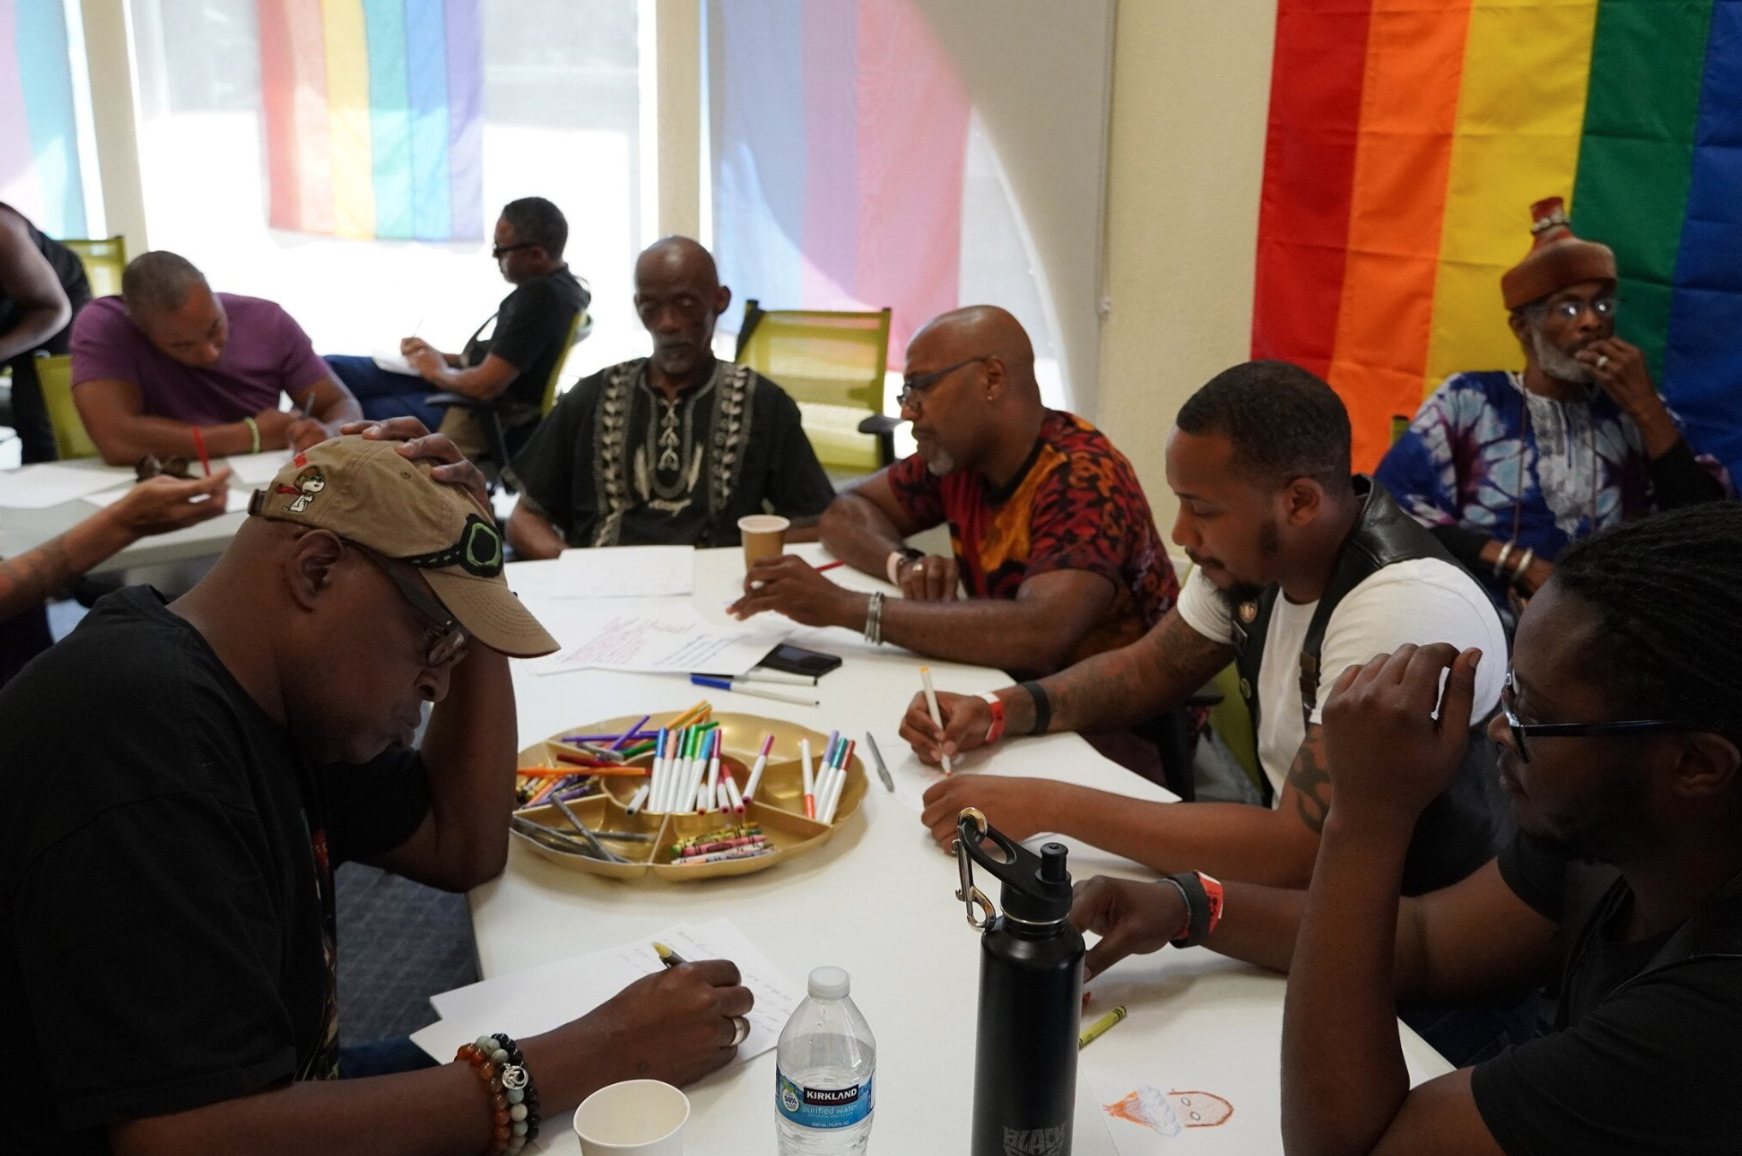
{"x":1500,"y":562}
{"x":874,"y":620}
{"x":1524,"y":561}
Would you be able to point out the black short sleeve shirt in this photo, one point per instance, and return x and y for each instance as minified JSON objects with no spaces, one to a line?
{"x":166,"y":919}
{"x":532,"y":329}
{"x":1644,"y":1058}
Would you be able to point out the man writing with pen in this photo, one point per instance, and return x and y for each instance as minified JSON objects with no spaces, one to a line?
{"x":1052,"y":536}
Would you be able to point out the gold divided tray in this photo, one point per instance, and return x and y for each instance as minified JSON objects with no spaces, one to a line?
{"x":778,"y":808}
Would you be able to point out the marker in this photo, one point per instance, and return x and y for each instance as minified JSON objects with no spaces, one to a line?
{"x":837,"y":783}
{"x":771,"y":695}
{"x":662,"y":747}
{"x":877,"y":757}
{"x":713,"y":788}
{"x":810,"y":782}
{"x":667,"y":956}
{"x":629,"y":734}
{"x":755,"y":779}
{"x":733,"y":798}
{"x":640,"y":799}
{"x":1100,"y":1027}
{"x":937,"y":719}
{"x":200,"y":445}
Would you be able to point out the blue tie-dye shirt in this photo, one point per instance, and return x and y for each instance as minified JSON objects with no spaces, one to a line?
{"x":1486,"y":455}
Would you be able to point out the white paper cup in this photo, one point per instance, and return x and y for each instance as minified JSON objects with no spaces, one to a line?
{"x":633,"y":1118}
{"x":764,"y":536}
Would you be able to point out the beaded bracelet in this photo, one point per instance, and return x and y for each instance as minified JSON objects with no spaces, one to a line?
{"x":513,"y":1099}
{"x":253,"y":434}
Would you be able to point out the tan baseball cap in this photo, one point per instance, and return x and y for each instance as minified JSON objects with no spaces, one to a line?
{"x":366,"y":493}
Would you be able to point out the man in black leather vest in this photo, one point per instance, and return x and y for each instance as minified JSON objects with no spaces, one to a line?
{"x":1299,"y":568}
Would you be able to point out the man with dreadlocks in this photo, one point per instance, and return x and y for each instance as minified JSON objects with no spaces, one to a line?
{"x":1506,"y":468}
{"x":1622,"y":892}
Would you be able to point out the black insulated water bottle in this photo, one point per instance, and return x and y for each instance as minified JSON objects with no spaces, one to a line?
{"x":1031,"y":982}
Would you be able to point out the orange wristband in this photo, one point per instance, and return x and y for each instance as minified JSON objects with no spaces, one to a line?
{"x":996,"y":730}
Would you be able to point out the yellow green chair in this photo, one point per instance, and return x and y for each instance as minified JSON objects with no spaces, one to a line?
{"x":832,"y":364}
{"x":1232,"y":722}
{"x":55,"y":376}
{"x":104,"y":260}
{"x":490,"y":413}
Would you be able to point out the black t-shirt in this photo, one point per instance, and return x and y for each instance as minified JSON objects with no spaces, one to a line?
{"x":532,"y":326}
{"x":617,"y":463}
{"x":68,"y":270}
{"x":167,"y":923}
{"x":1645,"y":1058}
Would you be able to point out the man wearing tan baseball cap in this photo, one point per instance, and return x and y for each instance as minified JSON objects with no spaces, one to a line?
{"x":182,"y":779}
{"x":1506,"y":467}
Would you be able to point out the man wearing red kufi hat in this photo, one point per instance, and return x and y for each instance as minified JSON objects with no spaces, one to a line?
{"x":1506,"y":468}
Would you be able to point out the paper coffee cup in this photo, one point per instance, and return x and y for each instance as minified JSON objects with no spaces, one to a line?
{"x":633,"y":1118}
{"x":764,"y":536}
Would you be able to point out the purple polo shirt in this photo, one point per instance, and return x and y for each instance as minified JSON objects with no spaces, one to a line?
{"x":267,"y":354}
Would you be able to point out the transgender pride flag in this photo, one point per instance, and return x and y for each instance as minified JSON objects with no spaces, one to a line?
{"x":840,"y":136}
{"x":374,"y":117}
{"x":39,"y":151}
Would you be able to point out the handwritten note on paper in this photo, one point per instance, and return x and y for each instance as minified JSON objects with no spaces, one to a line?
{"x":664,"y":639}
{"x":625,"y":572}
{"x":531,"y":1002}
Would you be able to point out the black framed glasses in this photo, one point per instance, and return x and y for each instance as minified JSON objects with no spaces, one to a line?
{"x":446,"y":641}
{"x":1520,"y":728}
{"x":913,"y":389}
{"x":497,"y":252}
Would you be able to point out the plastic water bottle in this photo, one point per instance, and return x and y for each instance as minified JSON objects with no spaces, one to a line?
{"x":824,"y":1094}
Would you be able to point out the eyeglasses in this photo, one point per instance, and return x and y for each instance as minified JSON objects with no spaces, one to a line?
{"x":1572,"y":307}
{"x":443,"y":644}
{"x":497,"y":252}
{"x":913,"y":389}
{"x":1519,"y":728}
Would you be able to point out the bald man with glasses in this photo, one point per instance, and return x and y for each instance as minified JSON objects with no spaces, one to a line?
{"x":1052,"y":539}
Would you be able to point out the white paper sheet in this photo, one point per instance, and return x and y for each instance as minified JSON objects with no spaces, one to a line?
{"x":625,"y":572}
{"x":531,"y":1002}
{"x":257,"y":469}
{"x":40,"y":486}
{"x":651,"y":639}
{"x":392,"y":361}
{"x":1145,"y":1118}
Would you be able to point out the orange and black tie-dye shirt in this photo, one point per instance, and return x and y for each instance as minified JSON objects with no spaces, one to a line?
{"x":1076,"y":505}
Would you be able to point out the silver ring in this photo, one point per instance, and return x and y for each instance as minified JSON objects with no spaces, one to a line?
{"x":740,"y":1031}
{"x":1602,"y":361}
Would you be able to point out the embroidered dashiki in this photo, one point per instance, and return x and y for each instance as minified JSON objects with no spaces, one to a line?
{"x":1074,"y":505}
{"x":1487,"y":459}
{"x":617,"y":463}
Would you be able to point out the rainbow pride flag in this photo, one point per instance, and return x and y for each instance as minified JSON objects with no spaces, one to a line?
{"x":840,"y":143}
{"x":40,"y":174}
{"x":1407,"y":140}
{"x":374,"y":117}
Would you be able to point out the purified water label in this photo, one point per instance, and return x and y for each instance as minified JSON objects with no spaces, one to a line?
{"x":824,"y":1107}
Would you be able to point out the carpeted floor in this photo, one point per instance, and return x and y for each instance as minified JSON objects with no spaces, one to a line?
{"x":399,"y":943}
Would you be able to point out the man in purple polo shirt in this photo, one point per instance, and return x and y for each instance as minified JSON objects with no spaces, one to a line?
{"x":169,"y":356}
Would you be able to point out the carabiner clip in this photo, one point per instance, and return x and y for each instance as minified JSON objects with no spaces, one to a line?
{"x":970,"y":894}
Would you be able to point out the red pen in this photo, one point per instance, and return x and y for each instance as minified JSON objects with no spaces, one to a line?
{"x":829,"y":566}
{"x":205,"y":462}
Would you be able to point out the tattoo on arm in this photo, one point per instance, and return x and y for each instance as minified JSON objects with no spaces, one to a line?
{"x":1311,"y":781}
{"x":1137,"y":682}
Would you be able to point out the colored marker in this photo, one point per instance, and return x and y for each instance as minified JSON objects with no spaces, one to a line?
{"x":755,"y":779}
{"x":810,"y":782}
{"x":640,"y":799}
{"x":771,"y":695}
{"x":931,"y":704}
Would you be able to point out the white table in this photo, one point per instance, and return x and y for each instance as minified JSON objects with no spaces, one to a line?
{"x":878,"y":900}
{"x":24,"y":530}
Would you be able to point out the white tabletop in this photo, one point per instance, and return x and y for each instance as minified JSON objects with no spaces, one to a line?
{"x":877,"y":899}
{"x":24,"y":530}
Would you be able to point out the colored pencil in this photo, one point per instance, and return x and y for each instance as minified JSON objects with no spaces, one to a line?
{"x":200,"y":445}
{"x":570,"y":772}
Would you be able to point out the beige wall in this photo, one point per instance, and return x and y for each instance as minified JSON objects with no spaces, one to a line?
{"x":1191,"y":89}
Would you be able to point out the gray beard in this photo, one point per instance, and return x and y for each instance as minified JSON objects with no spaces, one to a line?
{"x":940,"y":464}
{"x":1558,"y":365}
